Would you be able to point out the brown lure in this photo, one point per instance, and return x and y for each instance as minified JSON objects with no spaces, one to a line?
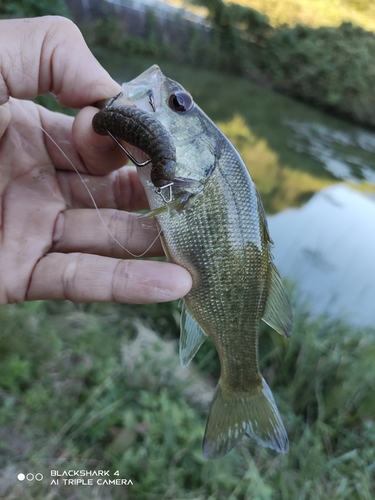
{"x":138,"y":128}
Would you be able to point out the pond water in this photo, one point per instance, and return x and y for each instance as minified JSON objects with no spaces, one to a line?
{"x":327,"y":246}
{"x":316,"y":176}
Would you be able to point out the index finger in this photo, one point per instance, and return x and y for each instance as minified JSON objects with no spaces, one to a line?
{"x":49,"y":54}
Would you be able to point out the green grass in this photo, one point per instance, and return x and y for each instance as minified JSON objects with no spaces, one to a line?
{"x":90,"y":387}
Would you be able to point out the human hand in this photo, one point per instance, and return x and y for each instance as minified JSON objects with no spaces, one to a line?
{"x":52,"y":246}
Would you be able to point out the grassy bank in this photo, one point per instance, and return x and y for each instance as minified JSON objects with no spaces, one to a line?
{"x":328,"y":66}
{"x":321,"y":55}
{"x":92,"y":387}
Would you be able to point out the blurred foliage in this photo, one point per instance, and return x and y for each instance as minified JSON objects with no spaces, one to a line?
{"x":316,"y":13}
{"x":90,"y":394}
{"x":236,"y":28}
{"x":107,"y":34}
{"x":360,"y":5}
{"x":32,"y":8}
{"x":328,"y":66}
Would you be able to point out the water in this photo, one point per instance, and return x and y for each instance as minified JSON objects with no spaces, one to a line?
{"x":323,"y":142}
{"x":316,"y":176}
{"x":327,"y":246}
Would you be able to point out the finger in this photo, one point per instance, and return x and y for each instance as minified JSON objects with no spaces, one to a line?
{"x":73,"y":143}
{"x":58,"y":139}
{"x":86,"y":278}
{"x":83,"y":231}
{"x":121,"y":189}
{"x":5,"y":118}
{"x":100,"y":153}
{"x":49,"y":54}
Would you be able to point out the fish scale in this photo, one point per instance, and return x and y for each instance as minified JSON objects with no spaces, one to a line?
{"x":218,"y":280}
{"x":214,"y":225}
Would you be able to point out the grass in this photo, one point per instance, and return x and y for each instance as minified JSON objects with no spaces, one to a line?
{"x":91,"y":387}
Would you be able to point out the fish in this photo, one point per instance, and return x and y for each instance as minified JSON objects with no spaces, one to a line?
{"x":214,"y":225}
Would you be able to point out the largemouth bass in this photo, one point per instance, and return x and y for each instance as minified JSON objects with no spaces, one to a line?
{"x":214,"y":225}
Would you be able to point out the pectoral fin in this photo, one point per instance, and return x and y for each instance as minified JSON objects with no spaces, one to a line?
{"x":277,"y":314}
{"x":154,"y":213}
{"x":192,"y":336}
{"x":178,"y":204}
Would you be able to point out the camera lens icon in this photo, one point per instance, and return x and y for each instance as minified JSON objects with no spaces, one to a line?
{"x":30,"y":477}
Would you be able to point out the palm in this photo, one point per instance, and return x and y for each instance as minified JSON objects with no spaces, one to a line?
{"x":50,"y":245}
{"x":31,"y":200}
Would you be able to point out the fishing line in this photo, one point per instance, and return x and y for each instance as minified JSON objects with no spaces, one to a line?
{"x":90,"y":194}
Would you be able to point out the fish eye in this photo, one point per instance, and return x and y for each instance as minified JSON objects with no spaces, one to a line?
{"x":180,"y":101}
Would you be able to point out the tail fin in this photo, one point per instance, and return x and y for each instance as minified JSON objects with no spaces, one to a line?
{"x":232,"y":415}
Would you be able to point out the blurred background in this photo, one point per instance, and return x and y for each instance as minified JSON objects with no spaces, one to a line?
{"x":99,"y":386}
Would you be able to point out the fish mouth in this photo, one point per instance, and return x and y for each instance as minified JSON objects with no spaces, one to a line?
{"x":143,"y":92}
{"x":153,"y":77}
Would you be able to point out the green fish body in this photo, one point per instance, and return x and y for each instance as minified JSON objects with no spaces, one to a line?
{"x":214,"y":225}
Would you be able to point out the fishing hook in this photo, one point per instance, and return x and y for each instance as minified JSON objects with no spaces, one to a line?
{"x":170,"y":192}
{"x":137,"y":163}
{"x":143,"y":164}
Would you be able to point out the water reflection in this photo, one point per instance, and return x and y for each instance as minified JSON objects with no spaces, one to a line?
{"x":334,"y":149}
{"x":328,"y":247}
{"x":280,"y":185}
